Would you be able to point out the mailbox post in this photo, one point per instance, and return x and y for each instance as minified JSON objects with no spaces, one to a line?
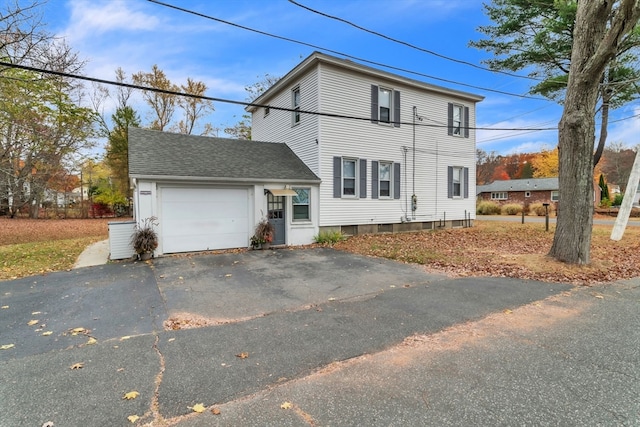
{"x":546,"y":216}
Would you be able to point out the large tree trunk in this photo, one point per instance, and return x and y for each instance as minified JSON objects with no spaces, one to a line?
{"x":594,"y":45}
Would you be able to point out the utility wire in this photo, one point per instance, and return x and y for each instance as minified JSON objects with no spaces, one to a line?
{"x":252,"y":104}
{"x":335,"y":52}
{"x":230,"y":101}
{"x":430,"y":52}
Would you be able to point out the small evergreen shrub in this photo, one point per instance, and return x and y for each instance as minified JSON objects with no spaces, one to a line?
{"x":605,"y":203}
{"x":512,"y":209}
{"x":329,"y":237}
{"x":486,"y":207}
{"x":617,"y":201}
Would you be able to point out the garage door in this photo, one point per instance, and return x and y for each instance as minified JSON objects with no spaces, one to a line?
{"x":198,"y":219}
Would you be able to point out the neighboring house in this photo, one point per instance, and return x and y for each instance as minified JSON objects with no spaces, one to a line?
{"x":522,"y":191}
{"x":393,"y":153}
{"x":209,"y":193}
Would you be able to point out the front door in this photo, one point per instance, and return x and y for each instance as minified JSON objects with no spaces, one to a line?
{"x":275,"y":207}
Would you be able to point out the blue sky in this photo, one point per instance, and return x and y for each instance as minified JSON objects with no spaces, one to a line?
{"x":136,"y":34}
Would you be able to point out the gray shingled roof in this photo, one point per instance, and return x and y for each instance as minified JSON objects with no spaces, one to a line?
{"x":163,"y":154}
{"x":530,"y":184}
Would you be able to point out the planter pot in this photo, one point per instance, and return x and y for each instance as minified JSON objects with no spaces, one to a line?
{"x":144,"y":256}
{"x":266,"y":245}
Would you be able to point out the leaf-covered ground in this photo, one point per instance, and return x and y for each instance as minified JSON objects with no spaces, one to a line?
{"x":489,"y":248}
{"x":29,"y":247}
{"x":504,"y":249}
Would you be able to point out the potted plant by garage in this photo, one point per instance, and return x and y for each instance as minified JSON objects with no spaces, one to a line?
{"x":263,"y":235}
{"x":145,"y":238}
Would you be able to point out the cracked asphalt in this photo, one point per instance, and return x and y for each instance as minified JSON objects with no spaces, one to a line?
{"x":334,"y":338}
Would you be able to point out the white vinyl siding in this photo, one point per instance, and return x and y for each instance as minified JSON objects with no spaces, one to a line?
{"x":318,"y":140}
{"x":304,"y":138}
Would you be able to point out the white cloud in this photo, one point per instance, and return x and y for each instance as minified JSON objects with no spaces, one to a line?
{"x":99,"y":17}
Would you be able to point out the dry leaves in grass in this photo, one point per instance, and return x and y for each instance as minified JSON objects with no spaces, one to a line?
{"x":504,"y":249}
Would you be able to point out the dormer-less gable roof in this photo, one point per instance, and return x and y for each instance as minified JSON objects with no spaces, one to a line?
{"x":317,"y":58}
{"x":530,"y":184}
{"x":164,"y":155}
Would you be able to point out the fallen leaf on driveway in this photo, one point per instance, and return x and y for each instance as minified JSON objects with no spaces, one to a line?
{"x":125,"y":338}
{"x":286,"y":405}
{"x":507,"y":311}
{"x":199,"y":407}
{"x":77,"y":366}
{"x":133,"y":418}
{"x":46,"y":334}
{"x":243,"y":355}
{"x":131,"y":395}
{"x":6,"y":346}
{"x":92,"y":341}
{"x":599,"y":297}
{"x":227,"y":275}
{"x":215,"y":411}
{"x":36,"y":313}
{"x":32,"y":322}
{"x":5,"y":306}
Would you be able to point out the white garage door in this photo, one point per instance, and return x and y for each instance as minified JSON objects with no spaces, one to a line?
{"x":198,"y":219}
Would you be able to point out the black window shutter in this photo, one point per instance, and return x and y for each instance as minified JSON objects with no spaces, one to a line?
{"x":396,"y":109}
{"x":396,"y":180}
{"x":450,"y":182}
{"x":450,"y":119}
{"x":374,"y":104}
{"x":337,"y":177}
{"x":363,"y":178}
{"x":466,"y":183}
{"x":374,"y":179}
{"x":466,"y":122}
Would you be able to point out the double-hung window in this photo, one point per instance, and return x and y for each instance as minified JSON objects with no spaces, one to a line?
{"x":384,"y":104}
{"x":555,"y":196}
{"x":384,"y":179}
{"x":301,"y":204}
{"x":457,"y":182}
{"x":349,"y":177}
{"x":295,"y":105}
{"x":458,"y":120}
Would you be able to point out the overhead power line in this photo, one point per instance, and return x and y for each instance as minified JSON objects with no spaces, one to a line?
{"x":346,"y":55}
{"x":230,"y":101}
{"x":412,"y":46}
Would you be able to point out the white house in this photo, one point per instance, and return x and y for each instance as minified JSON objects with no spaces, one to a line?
{"x":349,"y":147}
{"x":393,"y":153}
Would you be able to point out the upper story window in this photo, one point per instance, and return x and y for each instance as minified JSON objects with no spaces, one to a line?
{"x":295,"y":105}
{"x":267,"y":110}
{"x":458,"y":120}
{"x":385,"y":105}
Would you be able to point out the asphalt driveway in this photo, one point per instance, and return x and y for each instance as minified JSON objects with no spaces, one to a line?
{"x":291,"y":311}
